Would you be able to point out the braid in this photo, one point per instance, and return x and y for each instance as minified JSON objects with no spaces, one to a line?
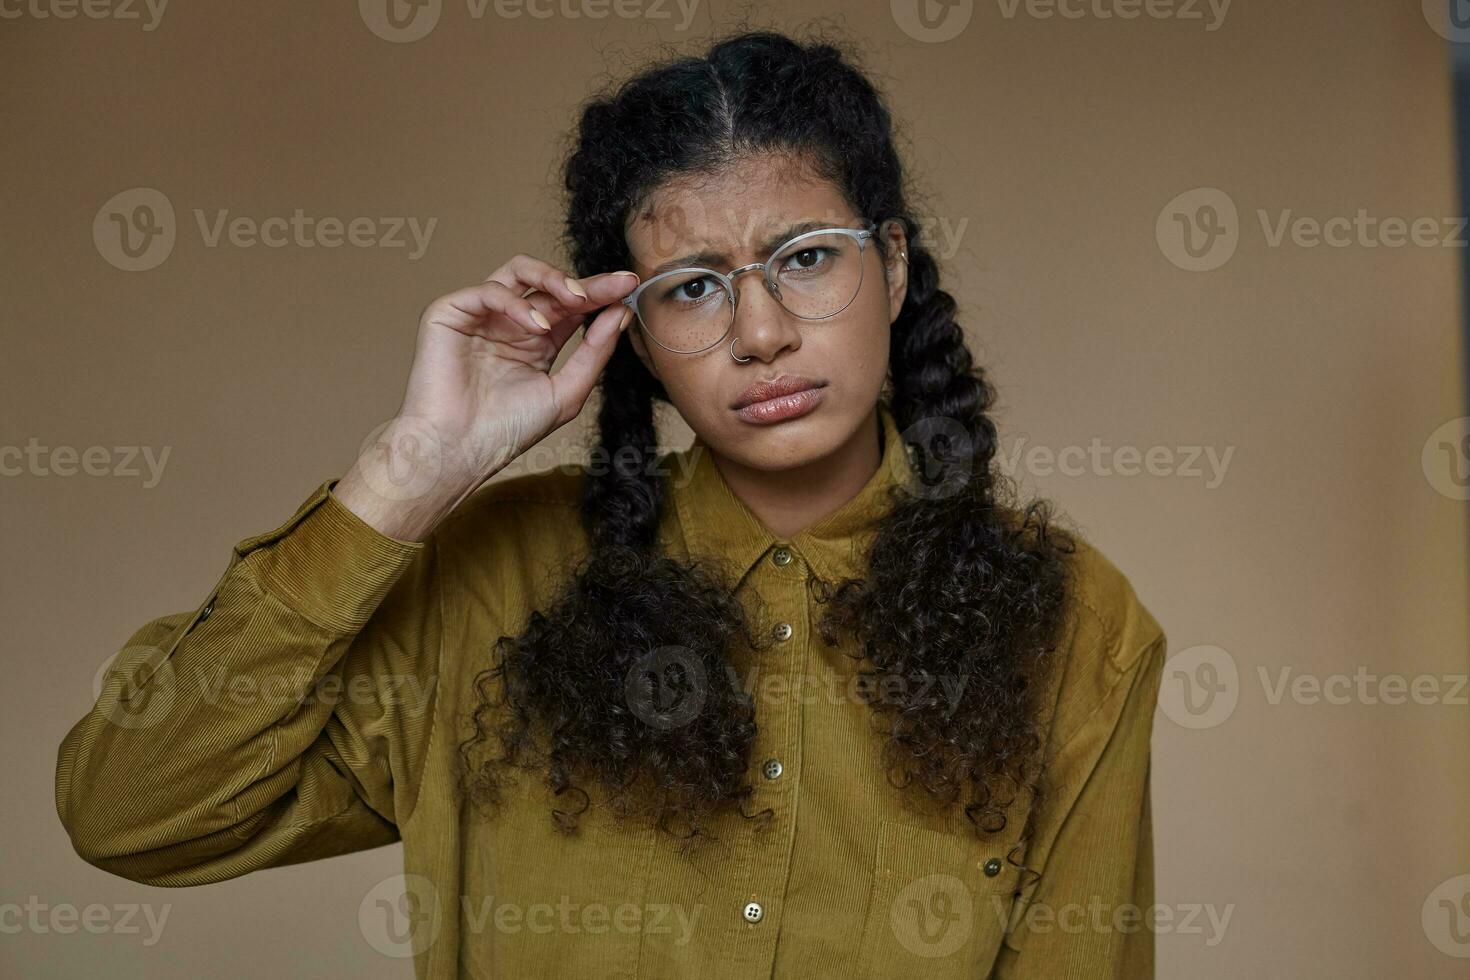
{"x":622,"y":500}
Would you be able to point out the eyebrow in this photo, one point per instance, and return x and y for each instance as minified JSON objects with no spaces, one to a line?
{"x":709,"y":257}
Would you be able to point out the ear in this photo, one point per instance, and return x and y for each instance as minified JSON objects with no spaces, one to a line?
{"x":896,"y":266}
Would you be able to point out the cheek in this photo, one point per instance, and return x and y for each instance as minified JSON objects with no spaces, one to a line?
{"x":690,"y":381}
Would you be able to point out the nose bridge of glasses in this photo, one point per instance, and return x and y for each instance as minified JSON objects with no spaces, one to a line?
{"x":773,"y":288}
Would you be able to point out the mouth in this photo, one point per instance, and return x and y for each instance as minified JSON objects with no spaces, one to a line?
{"x":764,"y":391}
{"x":785,"y":398}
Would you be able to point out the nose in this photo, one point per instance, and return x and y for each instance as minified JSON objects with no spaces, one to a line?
{"x":762,"y":325}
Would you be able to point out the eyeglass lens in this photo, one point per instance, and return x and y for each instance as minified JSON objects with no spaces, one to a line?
{"x":816,"y":277}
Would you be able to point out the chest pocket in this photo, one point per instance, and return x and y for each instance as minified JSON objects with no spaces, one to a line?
{"x":939,"y":903}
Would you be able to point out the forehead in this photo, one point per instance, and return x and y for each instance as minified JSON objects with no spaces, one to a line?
{"x":733,"y":210}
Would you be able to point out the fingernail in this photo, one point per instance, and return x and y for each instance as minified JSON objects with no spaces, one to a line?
{"x":633,"y":274}
{"x":541,"y":321}
{"x":576,"y":287}
{"x":627,"y":319}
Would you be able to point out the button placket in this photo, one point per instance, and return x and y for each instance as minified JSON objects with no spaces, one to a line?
{"x":782,"y":582}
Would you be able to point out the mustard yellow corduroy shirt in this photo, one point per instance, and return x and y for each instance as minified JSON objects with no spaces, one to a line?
{"x":314,"y":703}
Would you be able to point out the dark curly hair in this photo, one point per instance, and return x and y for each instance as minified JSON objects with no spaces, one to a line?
{"x":959,"y":584}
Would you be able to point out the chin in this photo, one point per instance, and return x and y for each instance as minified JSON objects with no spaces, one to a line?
{"x":786,"y":445}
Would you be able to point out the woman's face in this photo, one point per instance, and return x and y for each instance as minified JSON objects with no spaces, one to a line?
{"x":733,"y":217}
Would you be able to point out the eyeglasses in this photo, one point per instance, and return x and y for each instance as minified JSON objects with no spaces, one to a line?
{"x":814,"y":276}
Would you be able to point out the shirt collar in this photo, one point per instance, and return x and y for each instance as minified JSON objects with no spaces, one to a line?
{"x":716,"y":524}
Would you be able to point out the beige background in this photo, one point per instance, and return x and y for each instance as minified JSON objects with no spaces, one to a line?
{"x":1047,"y":149}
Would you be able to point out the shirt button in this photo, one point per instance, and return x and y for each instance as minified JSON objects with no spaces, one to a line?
{"x":204,"y":613}
{"x":753,"y":912}
{"x":781,"y":556}
{"x":782,"y":631}
{"x":992,"y":867}
{"x":772,"y":769}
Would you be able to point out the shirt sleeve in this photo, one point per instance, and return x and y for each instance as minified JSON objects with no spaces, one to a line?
{"x":1088,"y":914}
{"x":286,"y":719}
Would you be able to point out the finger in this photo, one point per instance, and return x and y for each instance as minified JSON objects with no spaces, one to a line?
{"x":601,"y":289}
{"x":607,"y":288}
{"x":524,"y":272}
{"x":572,"y":384}
{"x":475,"y":309}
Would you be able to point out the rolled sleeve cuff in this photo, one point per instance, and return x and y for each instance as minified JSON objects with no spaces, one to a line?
{"x":330,"y":565}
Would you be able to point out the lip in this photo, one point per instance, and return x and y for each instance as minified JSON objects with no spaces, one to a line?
{"x":786,"y":384}
{"x":787,"y":397}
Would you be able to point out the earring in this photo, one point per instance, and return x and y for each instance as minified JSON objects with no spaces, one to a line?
{"x":737,"y":357}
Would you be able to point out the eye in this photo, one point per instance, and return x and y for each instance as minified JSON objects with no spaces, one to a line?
{"x":814,"y":257}
{"x":692,"y":290}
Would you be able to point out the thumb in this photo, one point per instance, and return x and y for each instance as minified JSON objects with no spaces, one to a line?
{"x":574,"y":382}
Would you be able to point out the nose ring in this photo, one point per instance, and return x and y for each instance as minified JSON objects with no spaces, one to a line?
{"x":737,"y":357}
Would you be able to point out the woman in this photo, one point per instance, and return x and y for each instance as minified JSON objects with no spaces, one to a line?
{"x":812,"y":697}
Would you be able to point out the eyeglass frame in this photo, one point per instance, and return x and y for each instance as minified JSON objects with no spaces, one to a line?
{"x":727,"y":279}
